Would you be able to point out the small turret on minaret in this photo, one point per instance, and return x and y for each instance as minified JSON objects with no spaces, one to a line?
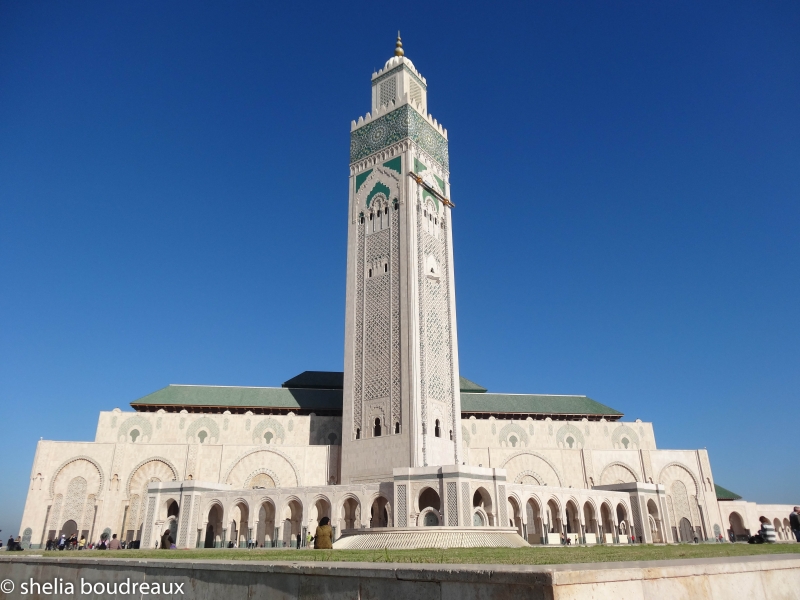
{"x":398,"y":78}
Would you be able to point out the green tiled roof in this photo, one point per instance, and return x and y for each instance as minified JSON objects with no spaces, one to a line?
{"x":317,"y":380}
{"x":242,"y":397}
{"x":316,"y":390}
{"x":470,"y":386}
{"x":539,"y":404}
{"x":723,"y":494}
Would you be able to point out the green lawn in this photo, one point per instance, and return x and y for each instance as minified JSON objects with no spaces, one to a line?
{"x":507,"y":556}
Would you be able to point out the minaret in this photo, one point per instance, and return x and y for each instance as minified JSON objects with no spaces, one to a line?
{"x":401,"y":388}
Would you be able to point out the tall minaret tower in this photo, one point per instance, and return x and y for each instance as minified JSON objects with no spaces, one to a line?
{"x":401,"y":387}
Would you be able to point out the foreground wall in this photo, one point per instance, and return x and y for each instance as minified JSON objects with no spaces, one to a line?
{"x":752,"y":577}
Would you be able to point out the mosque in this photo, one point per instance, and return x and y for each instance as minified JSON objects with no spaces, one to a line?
{"x":399,"y":450}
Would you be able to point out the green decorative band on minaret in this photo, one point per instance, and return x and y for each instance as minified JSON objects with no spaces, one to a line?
{"x":403,"y":122}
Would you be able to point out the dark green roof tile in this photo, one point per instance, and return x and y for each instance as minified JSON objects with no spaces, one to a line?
{"x":317,"y":380}
{"x":723,"y":494}
{"x":242,"y":397}
{"x":470,"y":386}
{"x":539,"y":404}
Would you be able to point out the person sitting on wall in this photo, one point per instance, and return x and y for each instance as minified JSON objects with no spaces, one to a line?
{"x":166,"y":540}
{"x":767,"y":531}
{"x":323,"y":535}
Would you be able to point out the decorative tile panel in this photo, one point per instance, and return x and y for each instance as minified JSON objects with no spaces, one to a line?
{"x":452,"y":504}
{"x":401,"y":123}
{"x":402,"y":508}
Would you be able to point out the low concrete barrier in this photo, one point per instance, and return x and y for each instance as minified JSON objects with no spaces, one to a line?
{"x":753,"y":577}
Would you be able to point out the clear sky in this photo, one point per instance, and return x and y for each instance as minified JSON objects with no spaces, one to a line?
{"x":173,"y":200}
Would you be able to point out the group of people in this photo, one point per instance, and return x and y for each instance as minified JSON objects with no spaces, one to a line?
{"x":766,"y":534}
{"x":13,"y":544}
{"x":74,"y":543}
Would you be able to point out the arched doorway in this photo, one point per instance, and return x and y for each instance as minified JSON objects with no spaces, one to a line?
{"x":623,"y":527}
{"x":592,"y":534}
{"x":292,"y":520}
{"x":265,"y":533}
{"x":429,"y":507}
{"x":606,"y":524}
{"x":351,"y":514}
{"x":534,"y":515}
{"x":737,"y":531}
{"x":515,"y":514}
{"x":173,"y":512}
{"x":573,"y":522}
{"x":240,"y":525}
{"x":483,"y":500}
{"x":379,"y":513}
{"x":776,"y":523}
{"x":69,"y":528}
{"x":655,"y":522}
{"x":214,"y":527}
{"x":319,"y":510}
{"x":685,"y":530}
{"x":553,"y":519}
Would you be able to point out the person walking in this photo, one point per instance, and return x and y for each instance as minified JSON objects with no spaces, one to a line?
{"x":767,"y":531}
{"x":323,"y":535}
{"x":794,"y":522}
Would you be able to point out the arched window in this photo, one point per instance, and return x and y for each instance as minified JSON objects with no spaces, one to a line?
{"x":397,"y":427}
{"x":385,"y":267}
{"x":436,"y":430}
{"x":386,"y":210}
{"x":362,"y":218}
{"x":377,"y":427}
{"x":370,"y":272}
{"x":134,"y":435}
{"x":332,"y":439}
{"x":202,"y":435}
{"x":451,"y":435}
{"x":370,"y":216}
{"x":358,"y":433}
{"x":268,"y":437}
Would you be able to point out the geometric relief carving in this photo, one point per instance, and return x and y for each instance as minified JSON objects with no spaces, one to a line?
{"x":527,"y":462}
{"x":206,"y":424}
{"x":402,"y":511}
{"x":466,"y":505}
{"x":617,"y":473}
{"x":625,"y":438}
{"x":77,"y":466}
{"x":569,"y":436}
{"x":513,"y":435}
{"x":452,"y":504}
{"x":271,"y":426}
{"x":138,"y":423}
{"x":400,"y":123}
{"x":272,"y":463}
{"x":358,"y":350}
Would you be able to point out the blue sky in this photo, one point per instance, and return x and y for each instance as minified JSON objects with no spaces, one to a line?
{"x":173,"y":199}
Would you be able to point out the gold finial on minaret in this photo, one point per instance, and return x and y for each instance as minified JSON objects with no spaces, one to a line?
{"x":398,"y":47}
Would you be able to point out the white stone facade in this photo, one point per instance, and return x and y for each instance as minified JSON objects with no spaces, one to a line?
{"x":395,"y":452}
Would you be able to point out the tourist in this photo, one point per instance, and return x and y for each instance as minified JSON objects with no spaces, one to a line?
{"x":298,"y":541}
{"x":323,"y":535}
{"x":309,"y":537}
{"x":62,"y":542}
{"x":767,"y":531}
{"x":82,"y":543}
{"x":114,"y":543}
{"x":794,"y":522}
{"x":166,"y":540}
{"x":10,"y":544}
